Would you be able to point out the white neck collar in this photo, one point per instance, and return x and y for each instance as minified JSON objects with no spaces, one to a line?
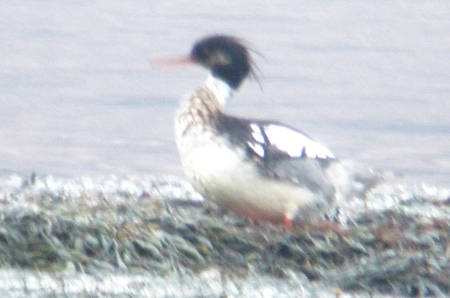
{"x":221,"y":90}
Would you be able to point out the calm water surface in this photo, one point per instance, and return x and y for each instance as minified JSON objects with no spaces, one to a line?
{"x":79,"y":95}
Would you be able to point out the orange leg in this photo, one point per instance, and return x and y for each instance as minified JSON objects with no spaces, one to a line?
{"x":288,"y":223}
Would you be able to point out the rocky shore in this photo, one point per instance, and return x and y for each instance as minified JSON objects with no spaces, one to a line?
{"x":155,"y":237}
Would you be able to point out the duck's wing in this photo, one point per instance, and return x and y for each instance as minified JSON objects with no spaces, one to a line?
{"x":273,"y":139}
{"x":280,"y":151}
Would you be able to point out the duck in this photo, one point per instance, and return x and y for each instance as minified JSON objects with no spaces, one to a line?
{"x":262,"y":170}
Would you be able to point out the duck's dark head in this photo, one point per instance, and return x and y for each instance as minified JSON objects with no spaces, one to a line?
{"x":225,"y":56}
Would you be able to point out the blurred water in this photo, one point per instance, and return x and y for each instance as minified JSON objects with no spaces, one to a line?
{"x":79,"y":96}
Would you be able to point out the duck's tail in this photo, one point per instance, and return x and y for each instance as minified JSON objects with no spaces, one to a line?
{"x":353,"y":180}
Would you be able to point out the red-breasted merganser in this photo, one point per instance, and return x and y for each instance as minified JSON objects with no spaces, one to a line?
{"x":259,"y":169}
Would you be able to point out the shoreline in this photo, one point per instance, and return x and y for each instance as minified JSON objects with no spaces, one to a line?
{"x":97,"y":231}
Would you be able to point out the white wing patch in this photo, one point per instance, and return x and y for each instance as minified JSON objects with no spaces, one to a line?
{"x":287,"y":140}
{"x":294,"y":143}
{"x":257,"y":133}
{"x":257,"y":148}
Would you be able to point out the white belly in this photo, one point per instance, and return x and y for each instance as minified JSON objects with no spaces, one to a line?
{"x":221,"y":175}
